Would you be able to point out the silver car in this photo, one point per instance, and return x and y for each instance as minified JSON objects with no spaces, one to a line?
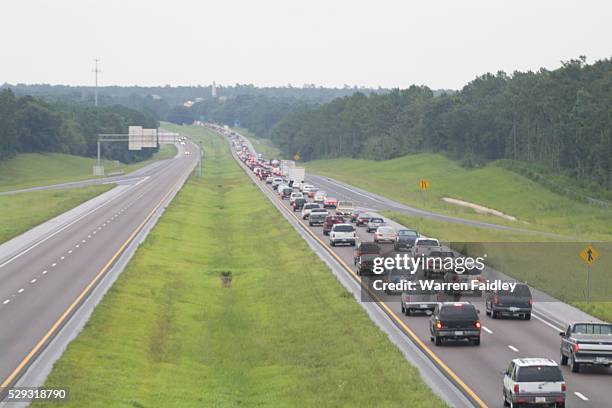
{"x":374,"y":223}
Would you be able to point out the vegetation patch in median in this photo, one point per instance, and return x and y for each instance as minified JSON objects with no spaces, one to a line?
{"x":286,"y":333}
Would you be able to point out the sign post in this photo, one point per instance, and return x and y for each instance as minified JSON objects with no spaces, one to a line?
{"x":589,"y":255}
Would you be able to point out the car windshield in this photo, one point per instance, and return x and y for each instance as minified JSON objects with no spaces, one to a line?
{"x":542,"y":373}
{"x":321,"y":210}
{"x":408,"y":233}
{"x":458,"y":312}
{"x":344,"y":228}
{"x":593,"y":328}
{"x":345,"y":204}
{"x":375,"y":220}
{"x":385,"y":230}
{"x":311,"y":206}
{"x":427,"y":242}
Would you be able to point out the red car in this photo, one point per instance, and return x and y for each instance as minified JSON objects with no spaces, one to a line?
{"x":330,"y":202}
{"x":330,"y":220}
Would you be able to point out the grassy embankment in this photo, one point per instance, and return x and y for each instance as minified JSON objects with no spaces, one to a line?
{"x":39,"y":169}
{"x":20,"y":212}
{"x":285,"y":333}
{"x":535,"y":206}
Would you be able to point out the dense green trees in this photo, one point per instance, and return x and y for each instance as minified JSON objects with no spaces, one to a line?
{"x":29,"y":124}
{"x":560,"y":118}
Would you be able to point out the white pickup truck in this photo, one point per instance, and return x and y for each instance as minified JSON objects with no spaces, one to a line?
{"x":345,"y":208}
{"x":342,"y":234}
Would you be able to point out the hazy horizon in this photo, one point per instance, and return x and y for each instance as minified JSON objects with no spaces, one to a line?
{"x":188,"y":43}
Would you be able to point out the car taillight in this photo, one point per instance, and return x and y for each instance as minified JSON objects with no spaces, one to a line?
{"x":516,"y":388}
{"x":495,"y":300}
{"x":530,"y":301}
{"x":576,"y":348}
{"x":563,"y":387}
{"x":477,"y":324}
{"x":438,"y":324}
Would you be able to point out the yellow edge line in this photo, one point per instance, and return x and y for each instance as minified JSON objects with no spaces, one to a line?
{"x":61,"y":319}
{"x":391,"y":313}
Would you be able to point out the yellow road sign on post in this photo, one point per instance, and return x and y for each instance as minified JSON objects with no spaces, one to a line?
{"x":296,"y":157}
{"x":589,"y":255}
{"x":423,"y":184}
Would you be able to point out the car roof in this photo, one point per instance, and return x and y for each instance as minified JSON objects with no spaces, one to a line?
{"x":526,"y":362}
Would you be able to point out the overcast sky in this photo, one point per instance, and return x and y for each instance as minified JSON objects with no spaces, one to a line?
{"x":439,"y":43}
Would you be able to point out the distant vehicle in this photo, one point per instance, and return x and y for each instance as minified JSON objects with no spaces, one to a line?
{"x":296,"y":175}
{"x":419,"y":299}
{"x":356,"y":213}
{"x":468,"y":276}
{"x":396,"y":276}
{"x":182,"y":143}
{"x":586,"y":344}
{"x":436,"y":264}
{"x":305,"y":188}
{"x":294,"y":195}
{"x":307,"y":208}
{"x":533,"y":381}
{"x":296,"y":185}
{"x":345,"y":208}
{"x":365,"y":264}
{"x":384,"y":234}
{"x":187,"y":153}
{"x":405,"y":239}
{"x":269,"y":179}
{"x":319,"y":196}
{"x":317,"y":216}
{"x":276,"y":181}
{"x":330,"y":220}
{"x":285,"y":191}
{"x":510,"y":303}
{"x":342,"y":234}
{"x":455,"y":321}
{"x":365,"y":248}
{"x":298,"y":204}
{"x":423,"y":246}
{"x":363,"y":218}
{"x":330,"y":202}
{"x":374,"y":223}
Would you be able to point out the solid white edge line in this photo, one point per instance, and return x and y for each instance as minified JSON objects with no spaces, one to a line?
{"x":546,"y":322}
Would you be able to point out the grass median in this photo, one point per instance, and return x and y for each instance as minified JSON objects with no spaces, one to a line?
{"x":23,"y":211}
{"x":174,"y":331}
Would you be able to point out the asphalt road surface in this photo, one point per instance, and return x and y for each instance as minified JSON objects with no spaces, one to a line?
{"x":478,"y":367}
{"x":45,"y":282}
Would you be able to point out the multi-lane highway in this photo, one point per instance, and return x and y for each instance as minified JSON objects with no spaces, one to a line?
{"x":475,"y":370}
{"x":44,"y":279}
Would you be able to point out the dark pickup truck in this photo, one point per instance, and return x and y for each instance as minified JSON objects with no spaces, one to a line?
{"x":586,"y":344}
{"x":510,"y":303}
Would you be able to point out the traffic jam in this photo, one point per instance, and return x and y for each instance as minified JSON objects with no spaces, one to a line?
{"x":446,"y":312}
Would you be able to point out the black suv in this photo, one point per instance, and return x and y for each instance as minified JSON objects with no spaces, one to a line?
{"x":510,"y":303}
{"x":455,"y":321}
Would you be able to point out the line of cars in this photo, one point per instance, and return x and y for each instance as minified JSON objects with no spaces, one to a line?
{"x":526,"y":381}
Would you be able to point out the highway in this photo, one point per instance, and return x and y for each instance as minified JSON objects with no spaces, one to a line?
{"x":475,"y":370}
{"x":46,"y":281}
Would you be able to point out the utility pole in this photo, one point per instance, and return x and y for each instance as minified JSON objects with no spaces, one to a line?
{"x":96,"y":71}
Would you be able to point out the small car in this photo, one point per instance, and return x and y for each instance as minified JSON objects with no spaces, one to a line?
{"x":384,"y":234}
{"x":298,"y":204}
{"x":308,"y":207}
{"x":330,"y":220}
{"x":374,"y":223}
{"x":330,"y":202}
{"x":363,"y":218}
{"x":319,"y":196}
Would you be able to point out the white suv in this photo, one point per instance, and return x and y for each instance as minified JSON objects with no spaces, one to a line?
{"x":342,"y":234}
{"x":534,"y":381}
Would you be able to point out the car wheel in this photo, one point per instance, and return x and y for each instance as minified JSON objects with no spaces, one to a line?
{"x":505,"y":400}
{"x":493,"y":314}
{"x":563,"y":359}
{"x":437,"y":341}
{"x":403,"y":308}
{"x":527,"y":316}
{"x":332,"y":243}
{"x":408,"y":311}
{"x":574,"y":366}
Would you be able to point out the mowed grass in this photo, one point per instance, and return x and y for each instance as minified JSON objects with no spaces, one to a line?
{"x":23,"y":211}
{"x":551,"y":264}
{"x":492,"y":186}
{"x":40,"y":169}
{"x":285,"y":334}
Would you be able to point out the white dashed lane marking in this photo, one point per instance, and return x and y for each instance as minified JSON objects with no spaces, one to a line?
{"x":33,"y":280}
{"x":581,"y":396}
{"x":6,"y":301}
{"x":20,"y":290}
{"x":511,"y":347}
{"x":44,"y":272}
{"x":485,"y":328}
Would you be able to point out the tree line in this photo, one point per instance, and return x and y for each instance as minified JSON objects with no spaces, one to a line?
{"x":557,"y":118}
{"x":33,"y":125}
